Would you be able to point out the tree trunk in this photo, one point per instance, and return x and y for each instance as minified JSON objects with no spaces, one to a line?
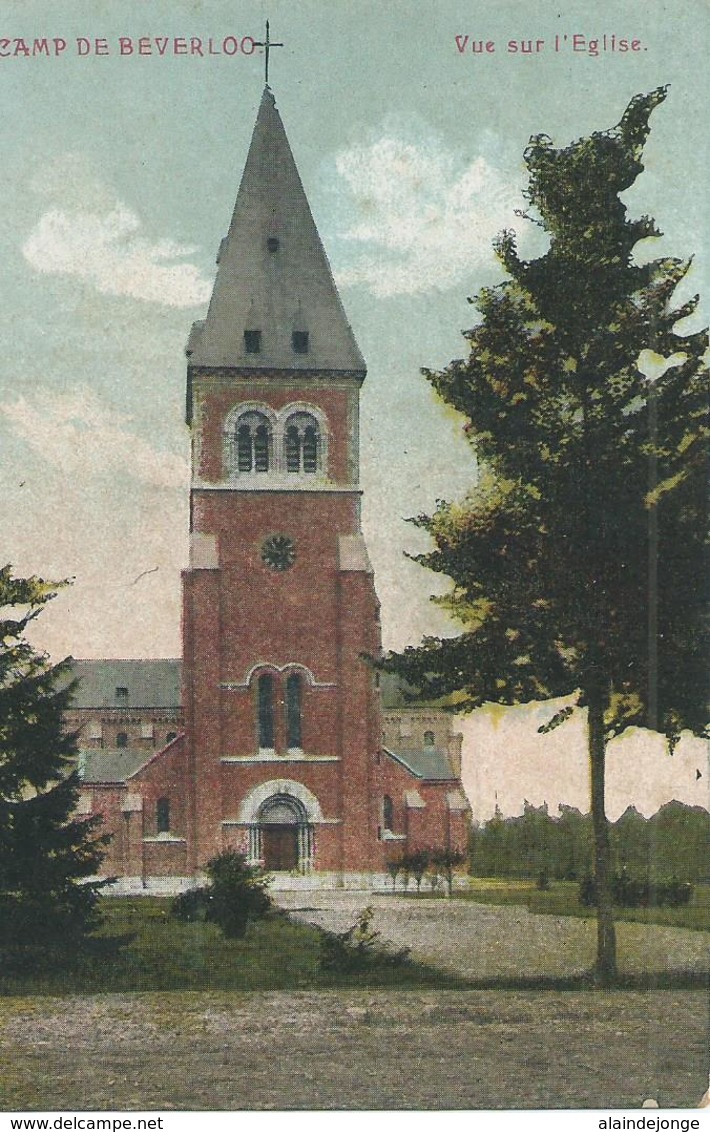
{"x":605,"y":969}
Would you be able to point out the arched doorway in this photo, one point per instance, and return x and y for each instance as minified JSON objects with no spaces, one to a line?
{"x":286,"y":838}
{"x":281,"y":811}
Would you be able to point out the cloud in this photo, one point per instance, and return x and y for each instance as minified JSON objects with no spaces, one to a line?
{"x":83,"y":439}
{"x":69,"y":180}
{"x":423,"y":220}
{"x":88,"y":234}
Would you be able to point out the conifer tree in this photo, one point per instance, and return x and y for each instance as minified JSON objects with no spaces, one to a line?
{"x":579,"y":559}
{"x":45,"y":853}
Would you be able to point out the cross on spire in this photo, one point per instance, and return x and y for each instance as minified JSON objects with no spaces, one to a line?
{"x":267,"y":45}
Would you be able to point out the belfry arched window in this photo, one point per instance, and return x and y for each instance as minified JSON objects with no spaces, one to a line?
{"x":429,"y":739}
{"x":294,"y":731}
{"x":253,"y":442}
{"x":265,"y":711}
{"x":302,"y":444}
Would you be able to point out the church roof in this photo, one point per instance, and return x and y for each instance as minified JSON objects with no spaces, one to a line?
{"x":157,"y":684}
{"x":109,"y":766}
{"x":427,"y":763}
{"x":273,"y":275}
{"x":127,"y":684}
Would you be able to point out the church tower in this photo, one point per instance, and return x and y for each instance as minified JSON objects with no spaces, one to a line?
{"x":279,"y":606}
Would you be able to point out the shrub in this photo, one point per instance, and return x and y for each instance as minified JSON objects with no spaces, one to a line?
{"x":444,"y":862}
{"x":236,"y":894}
{"x":433,"y":876}
{"x":675,"y":893}
{"x":358,"y":948}
{"x":394,"y":868}
{"x":628,"y":892}
{"x":192,"y":906}
{"x":416,"y":864}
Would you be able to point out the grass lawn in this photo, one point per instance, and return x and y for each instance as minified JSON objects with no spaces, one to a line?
{"x":561,"y":900}
{"x":141,"y":947}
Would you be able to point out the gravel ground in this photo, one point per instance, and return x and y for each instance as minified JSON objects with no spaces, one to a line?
{"x":354,"y":1050}
{"x":492,"y":941}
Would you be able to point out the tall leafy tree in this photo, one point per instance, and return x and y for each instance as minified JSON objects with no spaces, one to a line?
{"x":45,"y":852}
{"x":579,"y":560}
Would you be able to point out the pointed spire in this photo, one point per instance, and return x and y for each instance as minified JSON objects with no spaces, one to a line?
{"x":274,"y":304}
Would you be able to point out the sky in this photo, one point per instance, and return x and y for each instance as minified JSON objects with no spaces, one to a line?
{"x":121,"y":162}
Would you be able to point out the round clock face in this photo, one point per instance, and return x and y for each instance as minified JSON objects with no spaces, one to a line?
{"x":278,"y":552}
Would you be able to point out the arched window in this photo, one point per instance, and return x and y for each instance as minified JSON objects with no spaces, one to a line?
{"x":265,"y":711}
{"x":253,"y":441}
{"x":302,"y":446}
{"x":170,"y":736}
{"x":122,"y":739}
{"x":294,"y":738}
{"x":310,"y":449}
{"x":428,"y":738}
{"x":162,"y":815}
{"x":388,"y":813}
{"x":292,"y":445}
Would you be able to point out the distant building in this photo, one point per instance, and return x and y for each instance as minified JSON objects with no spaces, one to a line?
{"x":126,"y":704}
{"x":269,"y":738}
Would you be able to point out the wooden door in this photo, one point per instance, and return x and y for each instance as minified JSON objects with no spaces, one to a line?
{"x":280,"y":847}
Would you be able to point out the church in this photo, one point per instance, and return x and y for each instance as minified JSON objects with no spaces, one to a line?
{"x":274,"y":735}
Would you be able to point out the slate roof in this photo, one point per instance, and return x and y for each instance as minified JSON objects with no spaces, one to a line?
{"x":157,"y":683}
{"x":428,"y":763}
{"x":108,"y":765}
{"x":273,"y":274}
{"x":150,"y":684}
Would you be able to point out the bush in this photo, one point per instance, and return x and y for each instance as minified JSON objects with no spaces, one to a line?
{"x":416,"y":864}
{"x":394,"y":868}
{"x":235,"y":895}
{"x":358,"y":948}
{"x":630,"y":893}
{"x":192,"y":906}
{"x":675,"y":893}
{"x":543,"y":881}
{"x":444,"y":862}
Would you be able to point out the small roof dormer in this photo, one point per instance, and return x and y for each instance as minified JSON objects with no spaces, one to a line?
{"x":274,"y":303}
